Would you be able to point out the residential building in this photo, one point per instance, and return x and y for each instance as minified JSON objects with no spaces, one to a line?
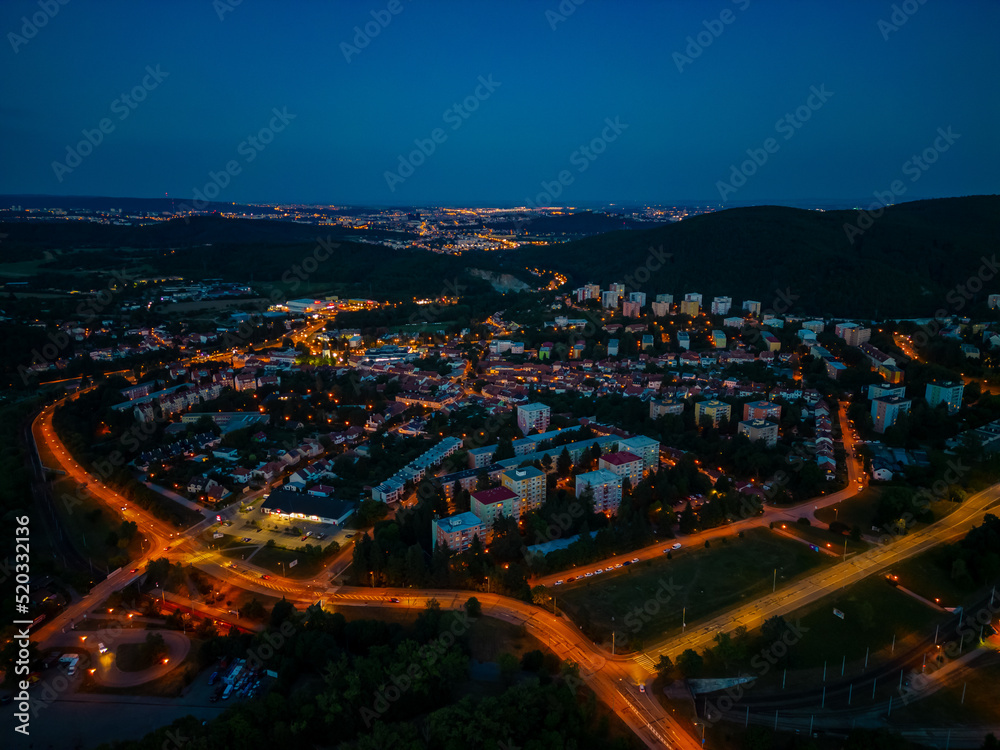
{"x":660,"y":407}
{"x":631,"y":309}
{"x":770,"y":341}
{"x":733,"y":322}
{"x":639,"y":297}
{"x":712,"y":411}
{"x":529,"y":484}
{"x":834,"y":369}
{"x":718,"y":339}
{"x":857,"y":336}
{"x":993,"y":301}
{"x":759,"y":429}
{"x":667,"y":299}
{"x":891,"y":373}
{"x":886,"y":410}
{"x":613,"y":347}
{"x":752,"y":306}
{"x":840,"y":329}
{"x":683,"y":339}
{"x":622,"y":464}
{"x":646,"y":448}
{"x":721,"y":305}
{"x":609,"y":299}
{"x":690,"y":307}
{"x":661,"y":309}
{"x":816,"y":326}
{"x":885,"y":389}
{"x":533,"y":416}
{"x":945,"y":393}
{"x":488,"y":505}
{"x":761,"y":410}
{"x":606,"y":488}
{"x":457,"y":532}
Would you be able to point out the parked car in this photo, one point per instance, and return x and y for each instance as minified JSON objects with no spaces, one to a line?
{"x":635,"y":559}
{"x":213,"y":678}
{"x":559,"y":582}
{"x":675,"y":545}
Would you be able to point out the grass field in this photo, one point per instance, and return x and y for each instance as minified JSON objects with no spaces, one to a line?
{"x":874,"y":613}
{"x":700,"y":581}
{"x":132,"y":657}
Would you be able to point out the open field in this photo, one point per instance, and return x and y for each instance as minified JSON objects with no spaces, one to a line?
{"x":647,"y":600}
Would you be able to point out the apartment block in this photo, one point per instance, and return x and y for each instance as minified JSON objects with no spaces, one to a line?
{"x":606,"y":488}
{"x":712,"y":411}
{"x":945,"y":393}
{"x":660,"y":407}
{"x":623,"y":464}
{"x":529,"y":484}
{"x":646,"y":448}
{"x":457,"y":532}
{"x":533,"y":416}
{"x":759,"y":429}
{"x":886,"y":410}
{"x":631,"y":309}
{"x":761,"y":410}
{"x":489,"y":505}
{"x":722,"y":305}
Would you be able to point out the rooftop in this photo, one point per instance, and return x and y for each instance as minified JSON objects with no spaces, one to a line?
{"x":620,"y":458}
{"x":494,"y":495}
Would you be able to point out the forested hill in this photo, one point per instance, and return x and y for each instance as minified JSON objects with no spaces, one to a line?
{"x":904,"y":263}
{"x":245,"y":250}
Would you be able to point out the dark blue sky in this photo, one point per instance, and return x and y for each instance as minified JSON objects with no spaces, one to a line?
{"x":891,"y":90}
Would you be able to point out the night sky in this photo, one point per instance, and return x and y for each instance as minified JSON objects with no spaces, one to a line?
{"x":609,"y":102}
